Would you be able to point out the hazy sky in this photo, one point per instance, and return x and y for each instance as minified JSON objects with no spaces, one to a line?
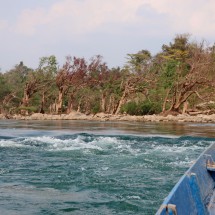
{"x":30,"y":29}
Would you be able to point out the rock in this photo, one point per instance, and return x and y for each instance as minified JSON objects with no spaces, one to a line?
{"x":200,"y":118}
{"x":2,"y":116}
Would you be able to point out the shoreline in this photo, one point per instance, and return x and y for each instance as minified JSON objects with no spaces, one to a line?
{"x":200,"y":118}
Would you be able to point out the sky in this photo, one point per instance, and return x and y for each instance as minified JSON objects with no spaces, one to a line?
{"x":31,"y":29}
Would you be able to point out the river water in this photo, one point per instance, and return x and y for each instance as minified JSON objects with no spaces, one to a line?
{"x":82,"y":167}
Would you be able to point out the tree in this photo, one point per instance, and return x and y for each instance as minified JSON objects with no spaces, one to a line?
{"x":132,"y":85}
{"x":139,"y":62}
{"x":15,"y":80}
{"x":46,"y":74}
{"x":5,"y":94}
{"x":178,"y":50}
{"x":172,"y":58}
{"x":39,"y":81}
{"x":69,"y":79}
{"x":98,"y":77}
{"x":77,"y":79}
{"x":139,"y":77}
{"x":200,"y":74}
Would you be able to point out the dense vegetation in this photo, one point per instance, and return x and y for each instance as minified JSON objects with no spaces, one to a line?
{"x":178,"y":79}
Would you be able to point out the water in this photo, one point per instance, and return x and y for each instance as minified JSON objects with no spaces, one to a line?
{"x":76,"y":167}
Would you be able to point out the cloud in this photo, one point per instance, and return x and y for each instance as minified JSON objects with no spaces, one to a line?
{"x":192,"y":16}
{"x":3,"y":25}
{"x":78,"y":16}
{"x":29,"y":20}
{"x":112,"y":28}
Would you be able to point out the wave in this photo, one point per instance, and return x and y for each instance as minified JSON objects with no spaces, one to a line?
{"x":10,"y":143}
{"x":124,"y":144}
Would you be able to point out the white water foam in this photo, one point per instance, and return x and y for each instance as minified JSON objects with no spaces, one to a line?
{"x":101,"y":143}
{"x":134,"y":197}
{"x":185,"y":163}
{"x":10,"y":143}
{"x":56,"y":144}
{"x":3,"y":171}
{"x":185,"y":147}
{"x":98,"y":143}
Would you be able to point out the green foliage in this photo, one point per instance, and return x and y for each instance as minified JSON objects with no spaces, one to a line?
{"x":130,"y":108}
{"x":169,"y":74}
{"x":4,"y":88}
{"x":138,"y":62}
{"x":96,"y":108}
{"x":142,"y":108}
{"x":211,"y":106}
{"x":30,"y":109}
{"x":48,"y":65}
{"x":16,"y":77}
{"x":178,"y":50}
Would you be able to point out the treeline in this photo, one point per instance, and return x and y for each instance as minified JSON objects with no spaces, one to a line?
{"x":177,"y":80}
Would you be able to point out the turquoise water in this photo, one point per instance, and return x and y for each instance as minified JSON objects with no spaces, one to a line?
{"x":93,"y":168}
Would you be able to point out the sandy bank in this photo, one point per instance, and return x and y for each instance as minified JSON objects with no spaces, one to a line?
{"x":109,"y":117}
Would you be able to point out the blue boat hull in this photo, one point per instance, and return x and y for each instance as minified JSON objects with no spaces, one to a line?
{"x":194,"y":193}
